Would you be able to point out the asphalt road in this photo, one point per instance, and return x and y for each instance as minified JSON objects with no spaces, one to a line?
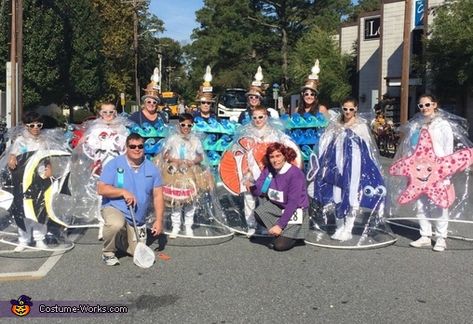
{"x":244,"y":282}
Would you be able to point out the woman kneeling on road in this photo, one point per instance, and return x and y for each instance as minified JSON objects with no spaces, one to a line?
{"x":284,"y":203}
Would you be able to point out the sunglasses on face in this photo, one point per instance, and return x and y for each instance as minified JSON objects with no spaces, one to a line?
{"x":151,"y":102}
{"x":258,"y":117}
{"x":110,"y":112}
{"x":253,"y":97}
{"x":309,"y":94}
{"x":133,"y":146}
{"x":34,"y":125}
{"x":206,"y":102}
{"x":426,"y":105}
{"x":186,"y":125}
{"x":348,"y":109}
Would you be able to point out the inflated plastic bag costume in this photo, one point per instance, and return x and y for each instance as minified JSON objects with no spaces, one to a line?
{"x":218,"y":133}
{"x":306,"y":128}
{"x":101,"y":142}
{"x":28,"y":219}
{"x":431,"y":179}
{"x":192,"y":209}
{"x":244,"y":160}
{"x":348,"y":188}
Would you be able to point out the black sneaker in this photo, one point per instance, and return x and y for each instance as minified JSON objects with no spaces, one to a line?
{"x":110,"y":260}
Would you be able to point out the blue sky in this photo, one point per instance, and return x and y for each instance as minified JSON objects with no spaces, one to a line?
{"x":178,"y":17}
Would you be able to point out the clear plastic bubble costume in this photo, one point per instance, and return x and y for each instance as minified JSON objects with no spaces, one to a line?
{"x":28,"y":219}
{"x":153,"y":132}
{"x":306,"y":129}
{"x":218,"y":133}
{"x":347,"y":184}
{"x":192,"y":209}
{"x":101,"y":142}
{"x":431,"y":177}
{"x":242,"y":161}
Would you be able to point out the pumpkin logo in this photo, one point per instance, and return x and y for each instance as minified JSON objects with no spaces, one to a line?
{"x":21,"y":306}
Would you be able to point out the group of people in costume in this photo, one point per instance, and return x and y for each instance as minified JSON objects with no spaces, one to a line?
{"x":314,"y":176}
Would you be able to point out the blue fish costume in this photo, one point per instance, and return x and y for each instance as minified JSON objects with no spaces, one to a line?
{"x":359,"y":183}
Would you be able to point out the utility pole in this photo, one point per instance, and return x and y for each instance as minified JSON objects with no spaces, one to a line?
{"x":13,"y":63}
{"x":169,"y":70}
{"x":406,"y":53}
{"x":19,"y":54}
{"x":135,"y":50}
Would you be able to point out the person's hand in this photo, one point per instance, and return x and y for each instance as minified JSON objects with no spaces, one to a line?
{"x":276,"y":230}
{"x":130,"y":199}
{"x":157,"y":228}
{"x":12,"y":162}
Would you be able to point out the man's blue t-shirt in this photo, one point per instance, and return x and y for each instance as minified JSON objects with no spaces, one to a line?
{"x":141,"y":183}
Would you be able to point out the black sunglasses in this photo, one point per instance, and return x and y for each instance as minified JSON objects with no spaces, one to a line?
{"x":186,"y":125}
{"x":133,"y":146}
{"x":348,"y":109}
{"x":151,"y":102}
{"x":309,"y":94}
{"x":206,"y":102}
{"x":258,"y":117}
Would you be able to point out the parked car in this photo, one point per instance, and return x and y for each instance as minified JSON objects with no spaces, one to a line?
{"x":231,"y":103}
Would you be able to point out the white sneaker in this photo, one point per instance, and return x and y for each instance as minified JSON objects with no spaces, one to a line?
{"x":189,"y":231}
{"x":175,"y":231}
{"x":345,"y":235}
{"x":41,"y":245}
{"x":251,"y":231}
{"x":440,"y":245}
{"x":338,"y":232}
{"x":20,"y":248}
{"x":421,"y":242}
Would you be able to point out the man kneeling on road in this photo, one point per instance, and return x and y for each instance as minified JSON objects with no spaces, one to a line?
{"x":129,"y":181}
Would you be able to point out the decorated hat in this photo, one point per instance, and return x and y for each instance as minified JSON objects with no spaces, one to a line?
{"x":312,"y":81}
{"x":153,"y":89}
{"x":205,"y":90}
{"x":257,"y":87}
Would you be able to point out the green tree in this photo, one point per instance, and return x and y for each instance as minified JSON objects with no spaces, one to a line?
{"x":364,"y":6}
{"x":230,"y":43}
{"x":43,"y":53}
{"x":334,"y":78}
{"x":449,"y":51}
{"x":82,"y":75}
{"x":5,"y":7}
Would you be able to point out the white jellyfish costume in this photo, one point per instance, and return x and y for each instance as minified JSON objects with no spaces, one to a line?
{"x":431,"y":181}
{"x":28,"y":220}
{"x":193,"y":215}
{"x":242,"y":162}
{"x":347,"y":186}
{"x":101,"y":142}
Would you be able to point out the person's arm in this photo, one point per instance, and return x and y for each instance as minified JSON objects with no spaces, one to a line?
{"x":324,"y":110}
{"x":110,"y":191}
{"x":258,"y":185}
{"x":158,"y":202}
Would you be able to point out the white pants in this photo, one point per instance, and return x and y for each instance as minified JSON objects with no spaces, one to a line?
{"x":426,"y":209}
{"x":37,"y":229}
{"x":189,"y":210}
{"x":250,"y":204}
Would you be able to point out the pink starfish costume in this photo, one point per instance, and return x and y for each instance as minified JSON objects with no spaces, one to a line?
{"x":432,"y":157}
